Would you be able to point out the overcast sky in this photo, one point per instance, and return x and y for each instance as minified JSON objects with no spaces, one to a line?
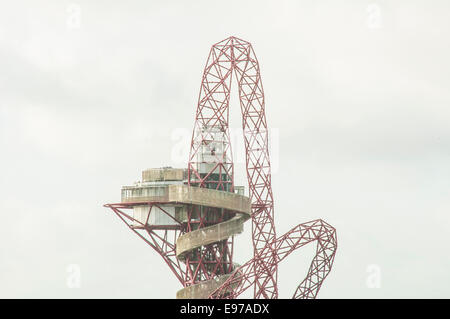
{"x":357,"y":95}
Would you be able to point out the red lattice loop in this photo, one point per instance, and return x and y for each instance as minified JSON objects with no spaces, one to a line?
{"x":211,"y":136}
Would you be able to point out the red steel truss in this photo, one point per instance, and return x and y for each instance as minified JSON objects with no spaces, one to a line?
{"x":236,"y":55}
{"x":233,"y":54}
{"x":211,"y":136}
{"x":161,"y":240}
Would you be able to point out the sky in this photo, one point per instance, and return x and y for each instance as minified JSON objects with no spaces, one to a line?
{"x":357,"y":99}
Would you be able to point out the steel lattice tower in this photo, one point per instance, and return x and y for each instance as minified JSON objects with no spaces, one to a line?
{"x":210,"y":213}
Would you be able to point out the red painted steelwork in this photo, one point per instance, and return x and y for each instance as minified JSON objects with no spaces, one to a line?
{"x":211,"y":166}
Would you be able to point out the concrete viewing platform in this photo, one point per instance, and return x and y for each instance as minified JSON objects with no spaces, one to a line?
{"x":162,"y":201}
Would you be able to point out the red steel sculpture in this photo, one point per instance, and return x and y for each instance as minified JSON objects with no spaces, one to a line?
{"x":199,"y":247}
